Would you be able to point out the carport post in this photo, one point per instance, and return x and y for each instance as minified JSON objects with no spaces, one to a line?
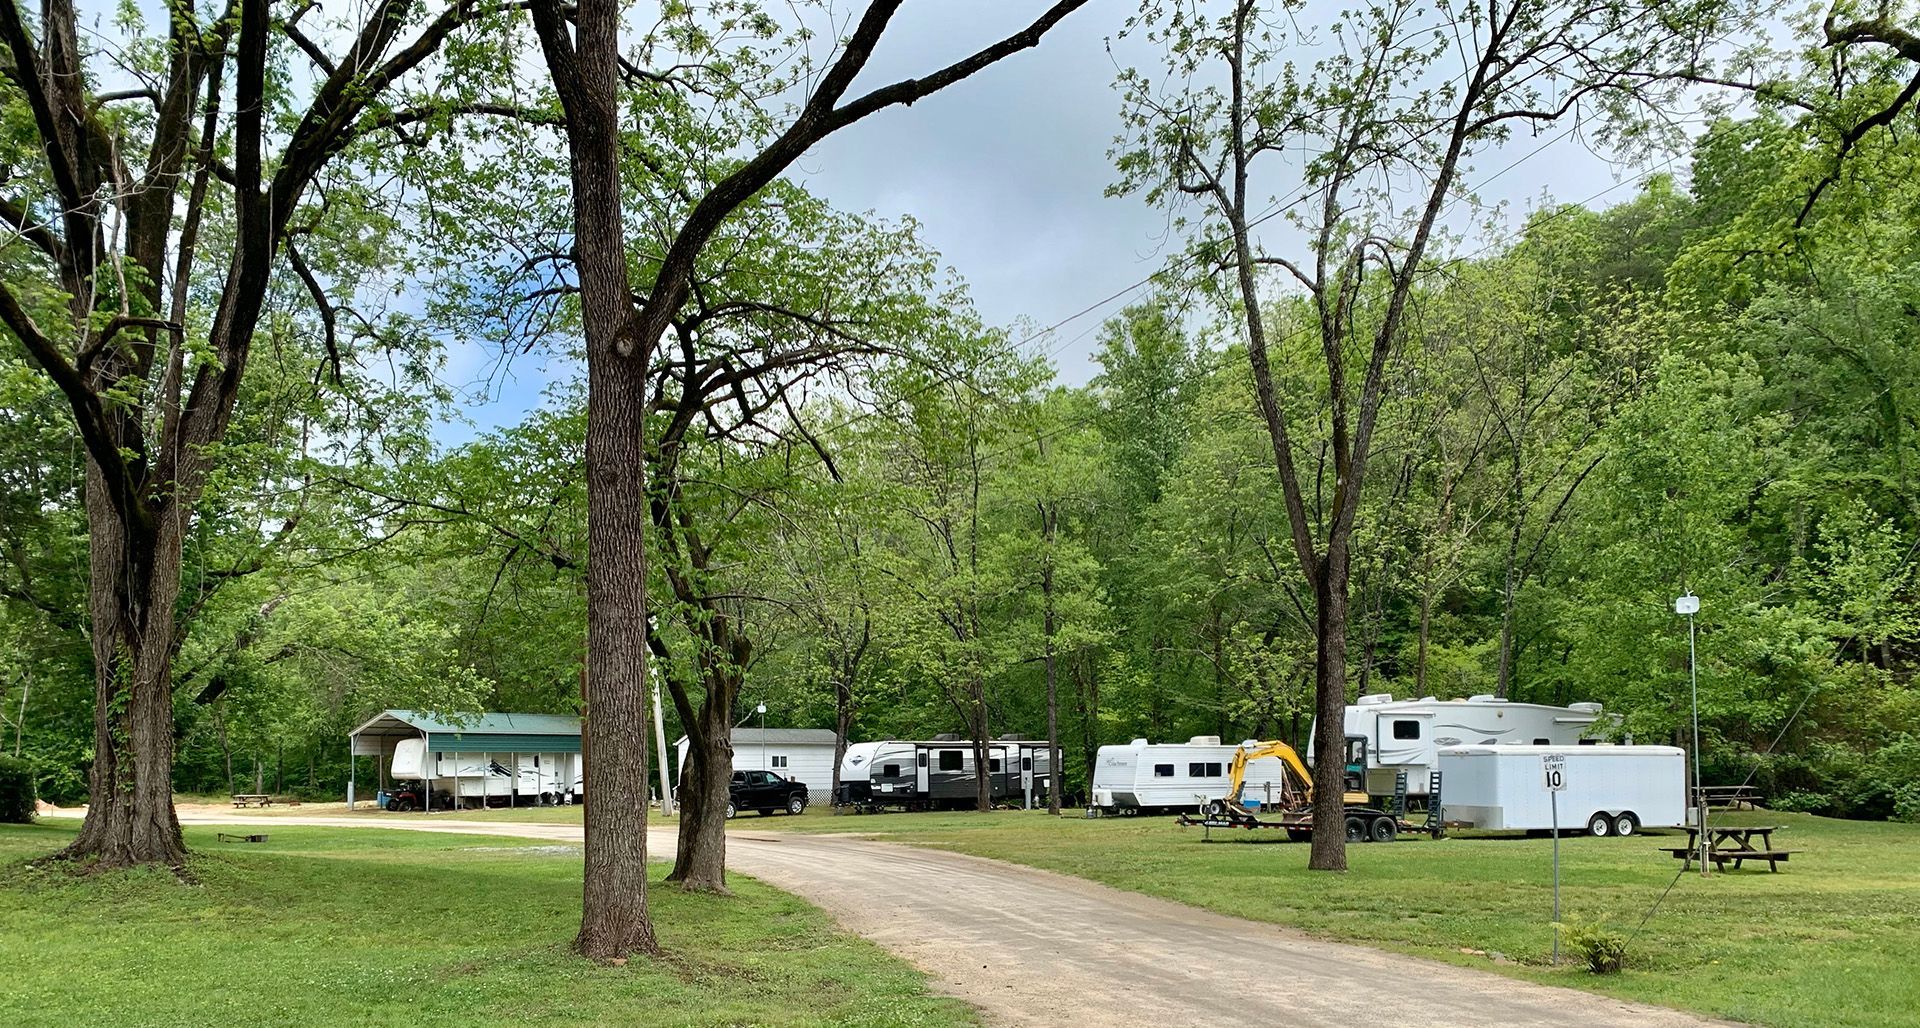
{"x":353,"y":766}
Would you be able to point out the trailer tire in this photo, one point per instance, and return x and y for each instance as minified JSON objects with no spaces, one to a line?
{"x":1356,"y":829}
{"x":1384,"y":830}
{"x":1626,"y":824}
{"x":1299,"y":835}
{"x":1600,"y":825}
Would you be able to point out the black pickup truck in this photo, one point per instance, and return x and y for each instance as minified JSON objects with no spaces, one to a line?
{"x":765,"y":792}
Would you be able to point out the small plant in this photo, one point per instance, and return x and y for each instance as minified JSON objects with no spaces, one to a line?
{"x":16,"y":791}
{"x":1604,"y":951}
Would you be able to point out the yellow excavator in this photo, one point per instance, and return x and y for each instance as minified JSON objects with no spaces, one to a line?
{"x":1293,"y":809}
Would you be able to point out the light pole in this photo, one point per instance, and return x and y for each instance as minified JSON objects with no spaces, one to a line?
{"x":762,"y":711}
{"x":1689,"y":605}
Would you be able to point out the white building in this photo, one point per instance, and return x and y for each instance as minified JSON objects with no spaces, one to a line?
{"x":805,"y":754}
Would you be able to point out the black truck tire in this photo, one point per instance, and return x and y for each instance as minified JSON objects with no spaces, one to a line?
{"x":1356,"y":829}
{"x":796,"y":805}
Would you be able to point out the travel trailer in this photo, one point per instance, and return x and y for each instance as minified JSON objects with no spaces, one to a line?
{"x":1141,"y":776}
{"x":1609,"y":790}
{"x":479,"y":778}
{"x":1407,"y":735}
{"x":940,"y":773}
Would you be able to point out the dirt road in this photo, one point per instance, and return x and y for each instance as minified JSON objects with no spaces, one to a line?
{"x":1033,"y":948}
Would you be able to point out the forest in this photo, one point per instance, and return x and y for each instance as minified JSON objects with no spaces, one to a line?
{"x":1516,"y":435}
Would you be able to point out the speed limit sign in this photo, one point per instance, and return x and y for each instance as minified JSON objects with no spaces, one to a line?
{"x":1554,"y":767}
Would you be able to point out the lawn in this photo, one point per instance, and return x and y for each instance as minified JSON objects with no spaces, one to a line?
{"x":323,"y":926}
{"x":1829,"y":940}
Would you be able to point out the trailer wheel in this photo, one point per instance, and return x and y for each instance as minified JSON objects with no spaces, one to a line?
{"x":1384,"y":830}
{"x":1356,"y":829}
{"x":1600,"y":825}
{"x":1626,"y":824}
{"x":1299,"y":835}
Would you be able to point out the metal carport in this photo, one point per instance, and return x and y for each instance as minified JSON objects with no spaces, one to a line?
{"x":512,"y":734}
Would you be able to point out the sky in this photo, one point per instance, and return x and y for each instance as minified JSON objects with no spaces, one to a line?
{"x":1007,"y":173}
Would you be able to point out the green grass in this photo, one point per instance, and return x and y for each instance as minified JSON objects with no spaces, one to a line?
{"x":1830,"y":940}
{"x":323,"y":926}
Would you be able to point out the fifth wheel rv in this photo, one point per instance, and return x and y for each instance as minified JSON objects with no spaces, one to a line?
{"x":1407,"y":735}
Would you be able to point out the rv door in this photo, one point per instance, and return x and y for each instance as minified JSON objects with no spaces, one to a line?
{"x":920,"y":782}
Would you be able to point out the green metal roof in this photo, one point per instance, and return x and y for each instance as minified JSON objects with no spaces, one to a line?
{"x":490,"y":724}
{"x":505,"y":733}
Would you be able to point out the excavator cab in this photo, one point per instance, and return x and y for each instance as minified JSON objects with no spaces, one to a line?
{"x":1355,"y":779}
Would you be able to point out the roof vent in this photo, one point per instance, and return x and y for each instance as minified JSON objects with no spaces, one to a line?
{"x":1204,"y":740}
{"x":1374,"y":698}
{"x":1485,"y":697}
{"x":947,"y":737}
{"x":1139,"y":742}
{"x":1585,"y":708}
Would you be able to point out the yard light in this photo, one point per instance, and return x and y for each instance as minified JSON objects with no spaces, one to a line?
{"x":1689,"y":605}
{"x":762,"y":711}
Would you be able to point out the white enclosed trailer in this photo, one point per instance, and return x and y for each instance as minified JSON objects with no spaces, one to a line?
{"x":1608,"y":790}
{"x":1407,"y":735}
{"x":1141,"y":775}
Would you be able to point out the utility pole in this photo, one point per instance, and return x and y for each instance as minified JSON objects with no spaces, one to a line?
{"x":660,"y":744}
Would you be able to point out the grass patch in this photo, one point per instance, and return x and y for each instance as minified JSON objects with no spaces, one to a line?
{"x":324,"y":926}
{"x":1828,"y":941}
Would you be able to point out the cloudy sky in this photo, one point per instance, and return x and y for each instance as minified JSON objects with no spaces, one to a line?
{"x":1007,"y":174}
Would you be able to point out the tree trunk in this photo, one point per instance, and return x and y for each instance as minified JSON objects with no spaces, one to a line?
{"x":1330,"y":709}
{"x":982,"y":766}
{"x":133,"y":584}
{"x":614,"y":922}
{"x":700,"y":860}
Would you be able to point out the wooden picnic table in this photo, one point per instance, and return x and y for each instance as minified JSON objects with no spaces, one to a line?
{"x":252,"y":799}
{"x":1731,"y":797}
{"x":1733,"y":844}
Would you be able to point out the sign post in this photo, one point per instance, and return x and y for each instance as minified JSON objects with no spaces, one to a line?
{"x":1553,"y":767}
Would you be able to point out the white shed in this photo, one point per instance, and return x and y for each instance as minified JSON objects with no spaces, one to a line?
{"x":805,"y":754}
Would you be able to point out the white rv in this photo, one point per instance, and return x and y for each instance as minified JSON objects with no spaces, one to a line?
{"x":526,"y":777}
{"x":940,"y":773}
{"x":1141,"y":776}
{"x":1407,"y":735}
{"x":1609,"y":790}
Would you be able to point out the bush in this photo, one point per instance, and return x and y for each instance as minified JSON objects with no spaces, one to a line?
{"x":16,"y":791}
{"x":1604,"y":951}
{"x":1802,"y":802}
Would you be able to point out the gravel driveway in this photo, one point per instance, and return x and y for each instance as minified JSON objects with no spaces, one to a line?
{"x":1033,"y":948}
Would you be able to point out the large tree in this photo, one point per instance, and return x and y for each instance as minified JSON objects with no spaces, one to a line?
{"x":157,"y":191}
{"x":623,"y":330}
{"x":1411,"y":93}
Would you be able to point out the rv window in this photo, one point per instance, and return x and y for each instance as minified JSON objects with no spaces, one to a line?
{"x":993,"y":765}
{"x":779,"y":762}
{"x":1213,"y":770}
{"x":1589,"y":742}
{"x":950,"y":760}
{"x":1406,"y":729}
{"x":1026,"y":763}
{"x":1543,"y":742}
{"x":923,"y":760}
{"x":1163,"y":770}
{"x":890,"y":771}
{"x":1199,"y":770}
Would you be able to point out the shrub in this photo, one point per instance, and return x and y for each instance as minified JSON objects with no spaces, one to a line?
{"x":16,"y":791}
{"x":1906,"y":804}
{"x":1604,"y":951}
{"x":1802,"y":802}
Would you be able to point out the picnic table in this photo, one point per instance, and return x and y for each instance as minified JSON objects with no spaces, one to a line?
{"x":1731,"y":797}
{"x":1733,"y":844}
{"x":252,"y":799}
